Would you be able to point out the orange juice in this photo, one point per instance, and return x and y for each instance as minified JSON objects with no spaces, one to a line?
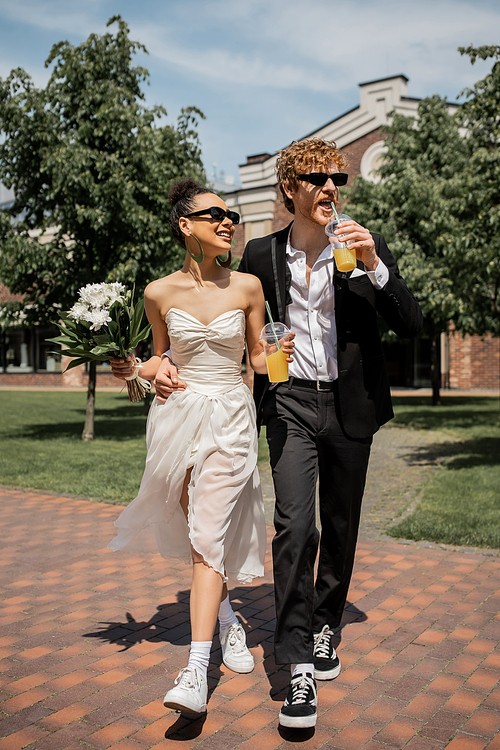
{"x":344,"y":258}
{"x":277,"y":367}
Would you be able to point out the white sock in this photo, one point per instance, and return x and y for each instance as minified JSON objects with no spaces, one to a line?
{"x":302,"y":668}
{"x":199,"y":655}
{"x":226,"y":614}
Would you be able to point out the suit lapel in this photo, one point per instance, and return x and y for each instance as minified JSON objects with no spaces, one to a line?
{"x":339,"y":283}
{"x":281,"y":272}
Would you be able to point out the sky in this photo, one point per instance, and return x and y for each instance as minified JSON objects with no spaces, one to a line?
{"x":264,"y":72}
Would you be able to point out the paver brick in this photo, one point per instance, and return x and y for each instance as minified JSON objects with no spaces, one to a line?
{"x":466,"y":742}
{"x":31,"y":715}
{"x":423,"y":706}
{"x":443,"y":725}
{"x":77,"y":730}
{"x":341,"y":714}
{"x":446,"y":683}
{"x":484,"y":722}
{"x":354,"y":735}
{"x":252,"y":721}
{"x":91,"y":670}
{"x":382,"y":710}
{"x":22,"y":738}
{"x":244,"y":702}
{"x":65,"y":716}
{"x":464,"y":701}
{"x":266,"y":739}
{"x":482,"y":680}
{"x":399,"y":731}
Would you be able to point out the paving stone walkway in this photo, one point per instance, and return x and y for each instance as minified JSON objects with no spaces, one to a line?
{"x":91,"y":640}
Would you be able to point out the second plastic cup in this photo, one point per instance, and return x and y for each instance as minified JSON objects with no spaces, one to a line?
{"x":277,"y":366}
{"x":344,"y":257}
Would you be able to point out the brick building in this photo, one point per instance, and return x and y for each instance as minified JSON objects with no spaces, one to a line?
{"x":466,"y":363}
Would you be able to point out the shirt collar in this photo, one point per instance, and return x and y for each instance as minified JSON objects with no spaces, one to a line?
{"x":293,"y":254}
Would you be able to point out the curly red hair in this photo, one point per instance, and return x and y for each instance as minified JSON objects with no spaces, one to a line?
{"x":301,"y":156}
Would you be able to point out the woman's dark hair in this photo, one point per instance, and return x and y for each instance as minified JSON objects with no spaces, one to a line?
{"x":181,"y":197}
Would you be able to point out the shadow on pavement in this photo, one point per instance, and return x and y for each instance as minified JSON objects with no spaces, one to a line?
{"x":186,"y":728}
{"x":171,"y":625}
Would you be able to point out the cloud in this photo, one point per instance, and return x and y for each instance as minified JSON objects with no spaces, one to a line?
{"x":54,"y":15}
{"x":315,"y":47}
{"x":266,"y":72}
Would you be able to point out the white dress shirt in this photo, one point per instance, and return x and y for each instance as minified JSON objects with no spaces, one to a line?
{"x":312,"y":313}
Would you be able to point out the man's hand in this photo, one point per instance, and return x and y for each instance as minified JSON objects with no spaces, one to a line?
{"x":288,"y":346}
{"x":166,"y":380}
{"x":360,"y":240}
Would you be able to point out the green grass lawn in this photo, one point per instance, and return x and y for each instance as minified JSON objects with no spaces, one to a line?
{"x":41,"y":446}
{"x":460,"y":504}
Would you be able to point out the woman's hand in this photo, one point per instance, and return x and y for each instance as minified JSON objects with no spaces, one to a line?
{"x":123,"y":368}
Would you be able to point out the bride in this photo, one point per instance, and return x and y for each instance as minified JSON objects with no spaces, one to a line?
{"x":200,"y":495}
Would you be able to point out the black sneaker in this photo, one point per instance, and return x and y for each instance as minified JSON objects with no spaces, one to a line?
{"x":299,"y":708}
{"x":326,"y":661}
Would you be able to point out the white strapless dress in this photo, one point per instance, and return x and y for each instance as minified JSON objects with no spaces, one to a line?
{"x":210,"y":427}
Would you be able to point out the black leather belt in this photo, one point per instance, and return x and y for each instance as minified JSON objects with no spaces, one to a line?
{"x":316,"y":385}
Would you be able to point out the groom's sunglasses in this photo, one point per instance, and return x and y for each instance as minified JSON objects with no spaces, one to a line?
{"x":218,"y":214}
{"x":321,"y":178}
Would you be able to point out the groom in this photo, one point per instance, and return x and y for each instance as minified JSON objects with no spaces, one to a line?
{"x":321,"y":423}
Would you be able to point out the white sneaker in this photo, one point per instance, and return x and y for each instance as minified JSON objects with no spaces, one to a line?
{"x":190,"y":694}
{"x":235,"y":653}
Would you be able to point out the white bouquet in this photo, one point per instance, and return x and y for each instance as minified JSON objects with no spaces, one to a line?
{"x":104,"y":323}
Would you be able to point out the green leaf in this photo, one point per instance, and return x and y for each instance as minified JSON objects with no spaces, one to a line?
{"x":104,"y":338}
{"x":62,"y":340}
{"x":76,"y":352}
{"x":141,"y":336}
{"x":110,"y":349}
{"x":75,"y":363}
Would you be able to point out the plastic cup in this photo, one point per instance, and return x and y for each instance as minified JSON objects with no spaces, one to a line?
{"x":344,"y":257}
{"x":277,"y":366}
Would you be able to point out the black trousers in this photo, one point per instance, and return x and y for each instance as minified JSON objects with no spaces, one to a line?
{"x":305,"y":441}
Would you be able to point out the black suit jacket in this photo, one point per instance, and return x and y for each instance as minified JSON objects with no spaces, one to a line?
{"x":363,"y":385}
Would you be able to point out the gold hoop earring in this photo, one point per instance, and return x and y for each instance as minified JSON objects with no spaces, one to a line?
{"x":224,"y":263}
{"x":198,"y":258}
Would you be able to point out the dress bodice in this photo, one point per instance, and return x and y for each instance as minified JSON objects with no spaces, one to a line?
{"x":208,"y":356}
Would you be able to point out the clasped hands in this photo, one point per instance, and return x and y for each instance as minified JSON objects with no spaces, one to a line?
{"x":167,"y":381}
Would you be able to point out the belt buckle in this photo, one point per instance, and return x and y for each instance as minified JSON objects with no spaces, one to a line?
{"x":320,"y":384}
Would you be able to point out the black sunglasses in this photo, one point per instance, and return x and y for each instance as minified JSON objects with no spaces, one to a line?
{"x":320,"y":178}
{"x":218,"y":214}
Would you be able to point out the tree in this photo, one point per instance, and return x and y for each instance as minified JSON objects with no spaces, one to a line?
{"x":438,"y":203}
{"x":86,"y":157}
{"x":480,"y":235}
{"x":416,"y":207}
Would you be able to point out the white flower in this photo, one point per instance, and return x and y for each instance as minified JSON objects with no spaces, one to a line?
{"x":115,"y":292}
{"x":79,"y":311}
{"x":97,"y":296}
{"x":98,"y":318}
